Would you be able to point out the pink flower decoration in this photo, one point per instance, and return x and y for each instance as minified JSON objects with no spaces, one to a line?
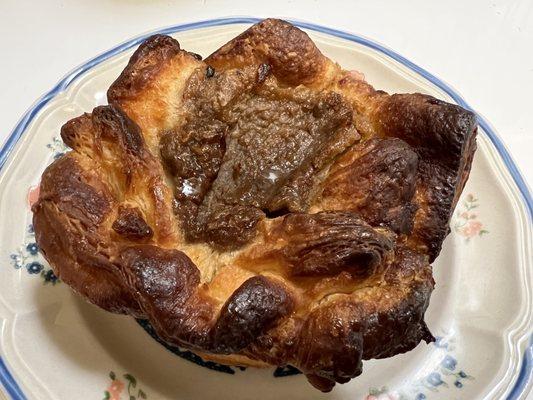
{"x":371,"y":397}
{"x":115,"y":389}
{"x":33,"y":195}
{"x":472,"y":229}
{"x":464,"y":215}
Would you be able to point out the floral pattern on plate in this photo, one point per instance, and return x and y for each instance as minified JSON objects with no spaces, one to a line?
{"x":58,"y":147}
{"x":28,"y":257}
{"x":466,"y":221}
{"x":446,"y":376}
{"x":115,"y":390}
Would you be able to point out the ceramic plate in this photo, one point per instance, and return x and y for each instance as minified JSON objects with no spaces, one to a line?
{"x":53,"y":345}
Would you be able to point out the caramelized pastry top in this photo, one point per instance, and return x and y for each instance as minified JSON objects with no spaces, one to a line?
{"x":263,"y":206}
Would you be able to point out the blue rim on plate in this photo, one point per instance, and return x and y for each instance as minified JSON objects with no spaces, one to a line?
{"x":526,"y":370}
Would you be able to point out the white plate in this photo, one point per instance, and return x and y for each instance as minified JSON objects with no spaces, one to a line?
{"x":53,"y":345}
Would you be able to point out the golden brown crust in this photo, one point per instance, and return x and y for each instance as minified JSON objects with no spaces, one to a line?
{"x":263,"y":207}
{"x":152,"y":56}
{"x":294,"y":58}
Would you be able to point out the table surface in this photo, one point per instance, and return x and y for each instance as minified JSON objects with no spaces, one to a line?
{"x":482,"y":48}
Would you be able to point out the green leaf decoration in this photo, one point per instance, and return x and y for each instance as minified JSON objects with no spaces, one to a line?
{"x":107,"y":396}
{"x":142,"y":395}
{"x":112,"y":375}
{"x":132,"y":398}
{"x":131,"y":379}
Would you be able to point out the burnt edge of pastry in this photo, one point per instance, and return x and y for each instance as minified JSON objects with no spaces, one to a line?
{"x":443,"y":135}
{"x":145,"y":63}
{"x":293,"y":56}
{"x":120,"y":255}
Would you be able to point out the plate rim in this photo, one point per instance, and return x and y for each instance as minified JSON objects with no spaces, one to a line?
{"x":525,"y":374}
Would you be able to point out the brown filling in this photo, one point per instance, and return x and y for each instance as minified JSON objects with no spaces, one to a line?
{"x":250,"y":148}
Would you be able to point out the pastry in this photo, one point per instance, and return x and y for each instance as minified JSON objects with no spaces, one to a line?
{"x":261,"y":207}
